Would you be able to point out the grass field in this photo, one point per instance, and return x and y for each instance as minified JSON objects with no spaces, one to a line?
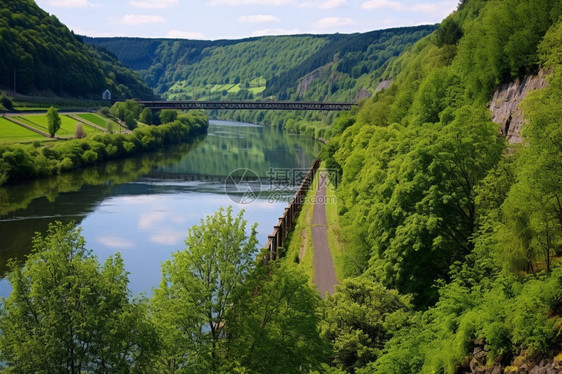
{"x":94,"y":119}
{"x":70,"y":125}
{"x":256,"y":90}
{"x":97,"y":120}
{"x":27,"y":120}
{"x":12,"y":133}
{"x":67,"y":129}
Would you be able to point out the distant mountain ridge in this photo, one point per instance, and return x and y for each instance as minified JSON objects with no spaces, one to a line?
{"x":40,"y":55}
{"x":341,"y":65}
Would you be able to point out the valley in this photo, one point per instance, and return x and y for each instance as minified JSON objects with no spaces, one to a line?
{"x":430,"y":240}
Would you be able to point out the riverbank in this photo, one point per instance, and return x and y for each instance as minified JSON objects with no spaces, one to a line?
{"x":21,"y":162}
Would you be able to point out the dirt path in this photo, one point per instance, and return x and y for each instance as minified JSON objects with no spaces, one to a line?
{"x":324,"y":271}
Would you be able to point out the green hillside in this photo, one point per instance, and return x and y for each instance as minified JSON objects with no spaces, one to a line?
{"x":434,"y":203}
{"x":47,"y":58}
{"x":265,"y":66}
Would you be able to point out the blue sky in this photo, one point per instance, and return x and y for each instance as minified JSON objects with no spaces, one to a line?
{"x":234,"y":19}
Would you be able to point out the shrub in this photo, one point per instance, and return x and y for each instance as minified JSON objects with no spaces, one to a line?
{"x":66,"y":164}
{"x":6,"y":102}
{"x":89,"y":156}
{"x":79,"y":131}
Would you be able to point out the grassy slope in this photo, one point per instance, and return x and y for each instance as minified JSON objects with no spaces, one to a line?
{"x":12,"y":133}
{"x":300,"y":239}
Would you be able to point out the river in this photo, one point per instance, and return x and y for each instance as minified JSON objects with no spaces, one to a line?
{"x":143,"y":207}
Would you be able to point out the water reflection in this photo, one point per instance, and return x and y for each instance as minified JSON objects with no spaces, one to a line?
{"x":144,"y":206}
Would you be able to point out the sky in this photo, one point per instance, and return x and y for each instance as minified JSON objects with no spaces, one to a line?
{"x":235,"y":19}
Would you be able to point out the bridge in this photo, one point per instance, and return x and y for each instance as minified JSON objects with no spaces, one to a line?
{"x":246,"y":105}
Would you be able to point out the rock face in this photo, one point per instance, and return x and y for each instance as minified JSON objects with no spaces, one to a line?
{"x":383,"y":85}
{"x":477,"y":364}
{"x":363,"y":93}
{"x":306,"y":82}
{"x":506,"y":101}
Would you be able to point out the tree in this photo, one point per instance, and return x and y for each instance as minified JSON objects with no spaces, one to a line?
{"x":449,"y":33}
{"x":274,"y":325}
{"x":198,"y":288}
{"x":167,"y":116}
{"x":54,"y":121}
{"x":359,"y":319}
{"x":130,"y":121}
{"x":68,"y":314}
{"x":6,"y":102}
{"x":79,"y":131}
{"x":146,"y":116}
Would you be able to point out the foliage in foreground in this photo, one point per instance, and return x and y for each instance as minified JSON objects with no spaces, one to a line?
{"x":217,"y":309}
{"x":439,"y":210}
{"x":68,"y":313}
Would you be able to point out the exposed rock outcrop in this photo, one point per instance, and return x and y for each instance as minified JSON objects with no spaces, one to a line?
{"x":478,"y":365}
{"x":363,"y":93}
{"x":306,"y":82}
{"x":505,"y":104}
{"x":383,"y":85}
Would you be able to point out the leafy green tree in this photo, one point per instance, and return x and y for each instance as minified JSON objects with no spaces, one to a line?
{"x":146,"y":116}
{"x":359,"y":319}
{"x":198,"y":289}
{"x":6,"y":102}
{"x":167,"y":116}
{"x":130,"y":121}
{"x":449,"y":33}
{"x":274,"y":324}
{"x":68,"y":314}
{"x":532,"y":224}
{"x":54,"y":121}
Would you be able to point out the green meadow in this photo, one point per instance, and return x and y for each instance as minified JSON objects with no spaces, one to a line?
{"x":12,"y":133}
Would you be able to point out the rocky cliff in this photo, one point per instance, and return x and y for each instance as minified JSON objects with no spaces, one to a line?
{"x":505,"y":104}
{"x":520,"y":365}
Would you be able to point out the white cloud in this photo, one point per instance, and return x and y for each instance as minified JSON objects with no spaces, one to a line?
{"x":329,"y":22}
{"x":70,"y":3}
{"x":383,"y":4}
{"x":250,"y":2}
{"x":114,"y":242}
{"x":328,"y":4}
{"x":442,"y":7}
{"x":154,"y":4}
{"x":258,"y":18}
{"x":178,"y":34}
{"x":276,"y":32}
{"x":136,"y":19}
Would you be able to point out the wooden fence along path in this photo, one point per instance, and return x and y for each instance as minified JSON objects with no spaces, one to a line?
{"x":287,"y":221}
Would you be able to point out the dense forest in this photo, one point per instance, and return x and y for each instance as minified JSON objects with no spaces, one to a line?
{"x":341,"y":65}
{"x":436,"y":205}
{"x":452,"y":240}
{"x":43,"y":57}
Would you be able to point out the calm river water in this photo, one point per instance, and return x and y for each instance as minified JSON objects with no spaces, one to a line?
{"x":143,"y":207}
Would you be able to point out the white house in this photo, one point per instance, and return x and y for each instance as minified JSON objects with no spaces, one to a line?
{"x":106,"y":95}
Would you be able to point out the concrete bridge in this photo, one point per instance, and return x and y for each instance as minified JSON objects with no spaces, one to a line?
{"x":246,"y":105}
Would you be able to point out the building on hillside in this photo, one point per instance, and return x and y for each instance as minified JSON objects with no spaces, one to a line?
{"x":106,"y":95}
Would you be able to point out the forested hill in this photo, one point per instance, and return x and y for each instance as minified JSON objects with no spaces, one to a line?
{"x":48,"y":58}
{"x":436,"y":205}
{"x":320,"y":67}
